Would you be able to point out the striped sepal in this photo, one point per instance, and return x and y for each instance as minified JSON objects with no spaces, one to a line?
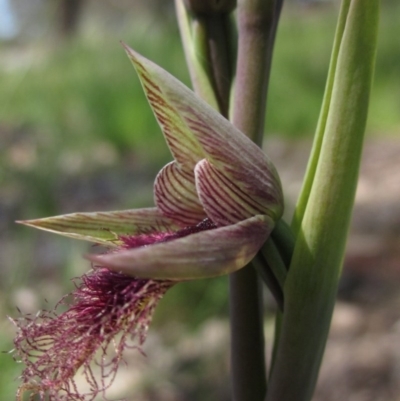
{"x":228,"y":149}
{"x":105,"y":227}
{"x":208,"y":253}
{"x":232,"y":153}
{"x":183,"y":145}
{"x":175,"y":195}
{"x":224,"y":202}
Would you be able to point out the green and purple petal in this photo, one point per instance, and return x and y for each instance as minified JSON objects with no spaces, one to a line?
{"x":223,"y":200}
{"x":175,"y":195}
{"x":105,"y":227}
{"x":209,"y":253}
{"x":183,"y":145}
{"x":191,"y":125}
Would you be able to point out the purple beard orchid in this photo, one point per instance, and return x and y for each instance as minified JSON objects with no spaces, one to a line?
{"x":216,"y":205}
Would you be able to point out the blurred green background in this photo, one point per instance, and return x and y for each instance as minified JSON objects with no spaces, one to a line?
{"x":76,"y":134}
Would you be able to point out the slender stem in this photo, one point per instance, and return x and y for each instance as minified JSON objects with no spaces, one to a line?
{"x":275,"y":262}
{"x":277,"y":336}
{"x":220,"y":56}
{"x":285,"y":241}
{"x":268,"y":276}
{"x":257,"y":21}
{"x":248,"y":371}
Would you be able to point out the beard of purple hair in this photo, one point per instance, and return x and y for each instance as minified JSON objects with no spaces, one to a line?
{"x":109,"y":312}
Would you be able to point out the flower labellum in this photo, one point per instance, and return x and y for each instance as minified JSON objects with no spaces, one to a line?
{"x":216,"y":205}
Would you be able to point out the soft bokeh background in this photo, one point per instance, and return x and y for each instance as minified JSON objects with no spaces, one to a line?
{"x":76,"y":134}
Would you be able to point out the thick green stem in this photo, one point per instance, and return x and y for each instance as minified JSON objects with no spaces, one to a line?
{"x":311,"y":283}
{"x":257,"y":21}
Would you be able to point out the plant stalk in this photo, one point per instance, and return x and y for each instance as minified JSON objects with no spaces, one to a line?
{"x":257,"y":22}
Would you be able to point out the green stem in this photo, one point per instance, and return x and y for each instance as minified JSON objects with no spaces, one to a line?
{"x":277,"y":336}
{"x":269,"y":277}
{"x":311,"y":283}
{"x":277,"y":253}
{"x":275,"y":262}
{"x":285,"y":240}
{"x":257,"y":21}
{"x":220,"y":55}
{"x":248,"y":371}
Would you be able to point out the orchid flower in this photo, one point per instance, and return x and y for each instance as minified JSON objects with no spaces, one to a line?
{"x":216,"y":205}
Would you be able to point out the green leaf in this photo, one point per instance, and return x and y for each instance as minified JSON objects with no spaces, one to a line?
{"x":312,"y":280}
{"x":320,"y":131}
